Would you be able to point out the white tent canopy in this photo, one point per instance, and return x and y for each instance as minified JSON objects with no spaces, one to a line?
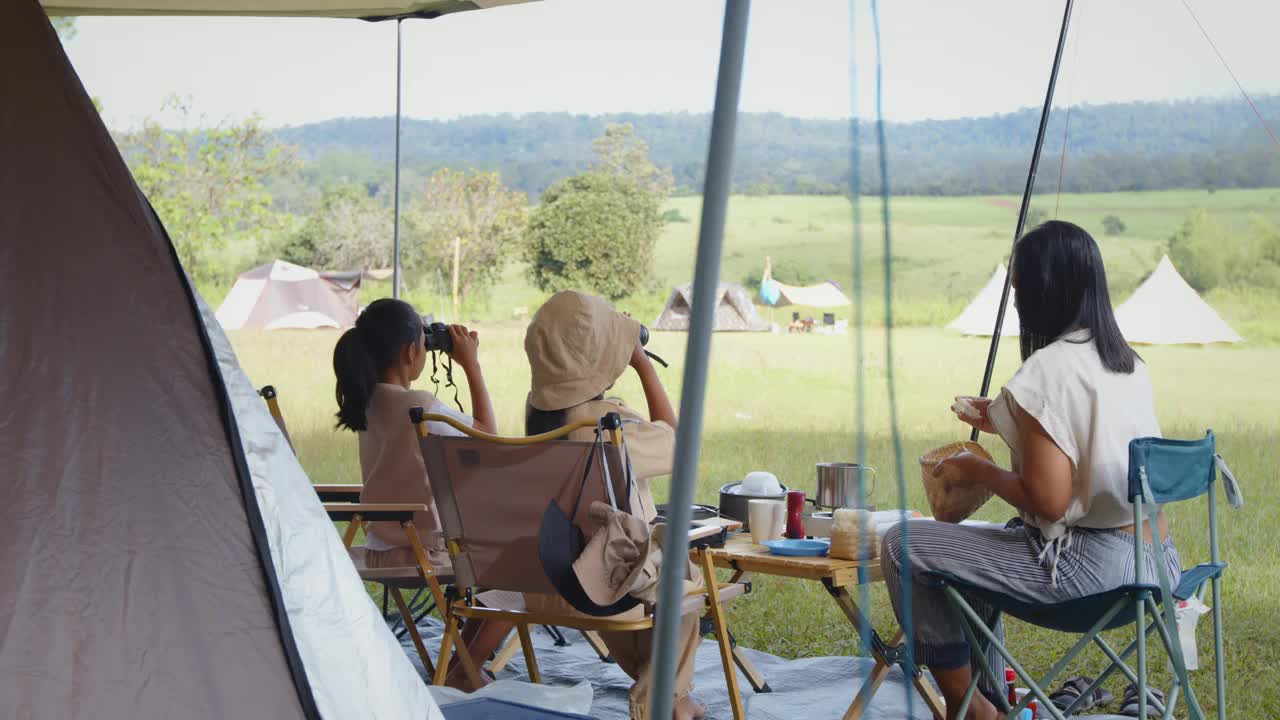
{"x":822,"y":295}
{"x":979,"y":318}
{"x":282,"y":8}
{"x":1165,"y":310}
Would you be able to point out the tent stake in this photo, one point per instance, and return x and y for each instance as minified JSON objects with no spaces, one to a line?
{"x":706,"y":279}
{"x":1026,"y":203}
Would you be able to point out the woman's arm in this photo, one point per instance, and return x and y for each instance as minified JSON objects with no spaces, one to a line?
{"x":660,"y":409}
{"x":1042,"y":486}
{"x":466,"y":345}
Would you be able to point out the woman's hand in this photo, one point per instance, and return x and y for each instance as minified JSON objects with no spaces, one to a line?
{"x":962,"y":470}
{"x":979,"y":405}
{"x":466,"y":346}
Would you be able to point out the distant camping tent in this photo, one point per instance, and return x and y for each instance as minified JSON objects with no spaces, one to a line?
{"x":979,"y":318}
{"x":284,"y":296}
{"x":823,"y":295}
{"x":165,"y":554}
{"x":1165,"y":310}
{"x":734,"y":310}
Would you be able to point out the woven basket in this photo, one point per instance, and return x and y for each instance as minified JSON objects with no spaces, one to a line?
{"x":957,"y":500}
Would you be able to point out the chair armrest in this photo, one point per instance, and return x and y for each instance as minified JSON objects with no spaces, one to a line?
{"x":395,"y":512}
{"x":338,"y":493}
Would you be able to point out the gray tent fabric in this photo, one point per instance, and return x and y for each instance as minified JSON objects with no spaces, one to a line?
{"x":144,"y":550}
{"x":734,"y":310}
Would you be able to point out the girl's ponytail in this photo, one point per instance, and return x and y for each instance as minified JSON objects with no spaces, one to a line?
{"x":357,"y":374}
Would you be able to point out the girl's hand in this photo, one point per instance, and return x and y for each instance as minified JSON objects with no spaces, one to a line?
{"x":638,"y":358}
{"x":466,"y":346}
{"x":973,"y":411}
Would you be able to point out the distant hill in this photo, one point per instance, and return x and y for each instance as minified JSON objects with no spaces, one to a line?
{"x":1129,"y":146}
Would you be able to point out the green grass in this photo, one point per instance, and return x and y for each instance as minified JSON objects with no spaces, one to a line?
{"x":782,"y":403}
{"x":944,"y":251}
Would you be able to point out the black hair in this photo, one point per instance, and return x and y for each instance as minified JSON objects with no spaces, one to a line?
{"x":538,"y":421}
{"x":1061,"y":287}
{"x":365,"y":351}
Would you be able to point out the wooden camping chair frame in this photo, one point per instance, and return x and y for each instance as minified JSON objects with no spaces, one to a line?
{"x":342,"y":504}
{"x":465,"y":608}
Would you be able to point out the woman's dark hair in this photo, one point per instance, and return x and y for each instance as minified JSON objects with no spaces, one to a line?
{"x":538,"y":421}
{"x":1062,"y":286}
{"x":365,"y":351}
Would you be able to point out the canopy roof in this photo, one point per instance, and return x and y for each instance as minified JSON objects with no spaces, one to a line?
{"x":368,"y":9}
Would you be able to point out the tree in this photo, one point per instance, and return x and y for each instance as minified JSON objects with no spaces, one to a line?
{"x":1113,"y":225}
{"x":476,"y":211}
{"x":65,"y":27}
{"x":596,"y":232}
{"x":622,"y":153}
{"x":1201,"y":251}
{"x":207,"y":184}
{"x":347,"y":230}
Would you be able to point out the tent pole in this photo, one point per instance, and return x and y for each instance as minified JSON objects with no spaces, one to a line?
{"x":1026,"y":202}
{"x":395,"y":252}
{"x":706,"y":279}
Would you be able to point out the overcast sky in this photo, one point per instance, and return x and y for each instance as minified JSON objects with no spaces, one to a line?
{"x":943,"y":58}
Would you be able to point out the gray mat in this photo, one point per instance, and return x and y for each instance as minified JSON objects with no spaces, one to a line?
{"x":809,"y":688}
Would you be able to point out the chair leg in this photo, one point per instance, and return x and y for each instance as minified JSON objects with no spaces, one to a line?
{"x":597,"y":643}
{"x":1139,"y":608}
{"x":446,"y":652}
{"x":722,"y":634}
{"x":530,"y":659}
{"x":1219,"y":672}
{"x":464,"y":655}
{"x":749,"y":669}
{"x":1179,"y":668}
{"x":504,"y":655}
{"x":413,"y":632}
{"x":1118,"y":663}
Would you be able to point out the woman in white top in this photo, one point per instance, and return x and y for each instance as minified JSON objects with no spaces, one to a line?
{"x":375,"y":363}
{"x":1067,"y":415}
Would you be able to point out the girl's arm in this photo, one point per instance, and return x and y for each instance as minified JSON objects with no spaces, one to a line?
{"x":1042,"y":485}
{"x":466,"y":345}
{"x":660,"y":409}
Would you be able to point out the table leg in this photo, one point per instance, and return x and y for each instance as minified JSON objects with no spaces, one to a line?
{"x":849,"y":606}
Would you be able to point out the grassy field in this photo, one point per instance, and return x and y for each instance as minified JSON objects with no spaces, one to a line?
{"x":782,"y":403}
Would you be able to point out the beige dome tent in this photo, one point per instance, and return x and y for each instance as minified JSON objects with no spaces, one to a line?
{"x":734,"y":311}
{"x":284,"y":296}
{"x":979,"y":318}
{"x":1165,"y":310}
{"x":166,"y":555}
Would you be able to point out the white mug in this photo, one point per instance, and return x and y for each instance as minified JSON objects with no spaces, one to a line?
{"x":767,"y":519}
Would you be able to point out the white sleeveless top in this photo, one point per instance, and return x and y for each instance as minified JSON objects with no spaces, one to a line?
{"x":1091,"y":414}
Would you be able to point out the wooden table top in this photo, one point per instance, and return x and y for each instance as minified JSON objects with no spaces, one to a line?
{"x":742,"y":554}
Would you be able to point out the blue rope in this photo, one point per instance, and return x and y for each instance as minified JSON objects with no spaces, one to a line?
{"x":882,"y":150}
{"x":859,"y":412}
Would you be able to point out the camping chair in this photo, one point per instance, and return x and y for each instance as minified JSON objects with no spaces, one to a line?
{"x":342,"y":503}
{"x":1160,"y":471}
{"x":491,"y":493}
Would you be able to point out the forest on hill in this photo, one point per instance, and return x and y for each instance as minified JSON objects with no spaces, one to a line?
{"x":1197,"y":144}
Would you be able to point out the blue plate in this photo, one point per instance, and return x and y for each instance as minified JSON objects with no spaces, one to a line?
{"x":799,"y":548}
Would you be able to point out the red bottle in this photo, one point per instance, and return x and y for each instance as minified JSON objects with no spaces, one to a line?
{"x":1010,"y":680}
{"x":795,"y":514}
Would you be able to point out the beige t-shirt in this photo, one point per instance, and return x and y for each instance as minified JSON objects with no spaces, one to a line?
{"x":392,"y":467}
{"x":1091,"y":414}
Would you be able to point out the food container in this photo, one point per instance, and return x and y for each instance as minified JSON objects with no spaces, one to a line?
{"x":956,"y":501}
{"x":818,"y":524}
{"x":734,"y":505}
{"x":838,"y":484}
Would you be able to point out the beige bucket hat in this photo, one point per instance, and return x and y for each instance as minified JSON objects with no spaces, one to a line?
{"x":615,"y":558}
{"x":577,"y":345}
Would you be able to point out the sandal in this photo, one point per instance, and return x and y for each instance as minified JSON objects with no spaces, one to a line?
{"x":1129,"y":703}
{"x":1073,"y":688}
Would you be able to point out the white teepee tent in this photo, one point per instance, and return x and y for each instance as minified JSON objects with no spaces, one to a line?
{"x":1165,"y":310}
{"x":979,"y":318}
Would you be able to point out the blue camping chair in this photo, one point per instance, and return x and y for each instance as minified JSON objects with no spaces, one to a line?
{"x":1160,"y":472}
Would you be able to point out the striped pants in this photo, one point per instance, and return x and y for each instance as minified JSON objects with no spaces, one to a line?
{"x":1007,"y":560}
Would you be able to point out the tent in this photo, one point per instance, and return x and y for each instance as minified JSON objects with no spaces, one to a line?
{"x":166,"y":556}
{"x":823,"y":295}
{"x":734,"y":310}
{"x":1165,"y":310}
{"x":284,"y":296}
{"x":979,"y":318}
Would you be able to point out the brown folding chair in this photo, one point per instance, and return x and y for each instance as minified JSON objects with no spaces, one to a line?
{"x":342,"y":503}
{"x":491,"y":493}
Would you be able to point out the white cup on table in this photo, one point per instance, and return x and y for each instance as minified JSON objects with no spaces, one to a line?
{"x":767,"y":519}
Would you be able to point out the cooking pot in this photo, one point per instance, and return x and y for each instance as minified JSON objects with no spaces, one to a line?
{"x":733,"y":505}
{"x":838,"y":485}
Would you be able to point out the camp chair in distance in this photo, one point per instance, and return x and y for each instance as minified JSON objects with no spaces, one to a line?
{"x":1160,"y":472}
{"x":491,"y":493}
{"x":342,"y":504}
